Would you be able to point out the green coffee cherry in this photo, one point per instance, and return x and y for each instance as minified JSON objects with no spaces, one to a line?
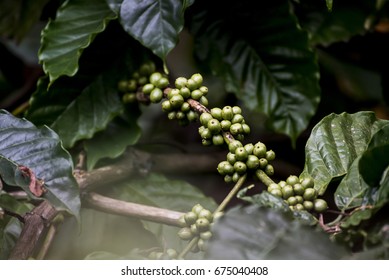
{"x":202,"y":224}
{"x":180,"y":82}
{"x":307,"y":183}
{"x":240,"y":167}
{"x":269,"y":170}
{"x":225,"y":125}
{"x":282,"y":184}
{"x":228,"y":179}
{"x":185,"y":107}
{"x":263,"y":163}
{"x":241,"y":154}
{"x":204,"y":90}
{"x":173,"y":92}
{"x":162,"y":83}
{"x":122,"y":85}
{"x":191,"y":84}
{"x":185,"y":233}
{"x":235,"y":177}
{"x":166,"y":106}
{"x":205,"y":213}
{"x":233,"y":145}
{"x":270,"y":155}
{"x":217,"y":140}
{"x":176,"y":101}
{"x":156,"y":95}
{"x":206,"y":134}
{"x":308,"y":205}
{"x":252,"y":162}
{"x":299,"y":207}
{"x":231,"y":158}
{"x":206,"y":235}
{"x":214,"y":126}
{"x":298,"y":189}
{"x":205,"y":118}
{"x":246,"y":129}
{"x":185,"y":92}
{"x":292,"y":179}
{"x":190,"y":218}
{"x":147,"y":88}
{"x":180,"y":115}
{"x":238,"y":118}
{"x":132,"y":85}
{"x":203,"y":101}
{"x":197,"y":208}
{"x":155,"y":77}
{"x":320,"y":205}
{"x":273,"y":186}
{"x":236,"y":110}
{"x":292,"y":200}
{"x":236,"y":128}
{"x":227,"y":113}
{"x":260,"y":150}
{"x":249,"y":148}
{"x":276,"y":192}
{"x":217,"y":113}
{"x":287,"y":192}
{"x":202,"y":244}
{"x":299,"y":198}
{"x":198,"y":79}
{"x":171,"y":115}
{"x":194,"y":229}
{"x":206,"y":142}
{"x":225,"y":168}
{"x":181,"y":221}
{"x":142,"y":80}
{"x":129,"y":98}
{"x":196,"y":94}
{"x":310,"y":194}
{"x":172,"y":254}
{"x":192,"y":116}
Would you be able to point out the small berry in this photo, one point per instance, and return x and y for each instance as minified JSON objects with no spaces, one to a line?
{"x":205,"y":213}
{"x":307,"y":183}
{"x":190,"y":218}
{"x":185,"y":233}
{"x":147,"y":88}
{"x":154,"y":78}
{"x":191,"y":84}
{"x":217,"y":139}
{"x":202,"y":224}
{"x":206,"y":235}
{"x":227,"y":113}
{"x":162,"y":83}
{"x":180,"y":82}
{"x":225,"y":125}
{"x":192,"y":116}
{"x":122,"y":85}
{"x":185,"y":92}
{"x":196,"y":94}
{"x":252,"y":162}
{"x":217,"y":113}
{"x":238,"y":118}
{"x":276,"y":192}
{"x":166,"y":106}
{"x":205,"y":118}
{"x":156,"y":95}
{"x":236,"y":110}
{"x":246,"y":128}
{"x":270,"y":155}
{"x":308,"y":205}
{"x":287,"y":192}
{"x":241,"y":154}
{"x":214,"y":126}
{"x":236,"y":128}
{"x":203,"y":101}
{"x":233,"y":145}
{"x":320,"y":205}
{"x":292,"y":179}
{"x":262,"y":163}
{"x":206,"y":134}
{"x":176,"y":101}
{"x":198,"y":79}
{"x":231,"y":158}
{"x":240,"y":167}
{"x":310,"y":194}
{"x":204,"y":90}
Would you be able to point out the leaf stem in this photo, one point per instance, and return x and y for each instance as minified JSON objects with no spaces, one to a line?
{"x":188,"y":247}
{"x":264,"y":178}
{"x":231,"y":194}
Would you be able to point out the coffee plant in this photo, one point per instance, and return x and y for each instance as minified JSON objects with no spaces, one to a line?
{"x":183,"y":129}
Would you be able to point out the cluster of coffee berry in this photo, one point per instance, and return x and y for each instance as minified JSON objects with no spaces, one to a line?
{"x":248,"y":158}
{"x":197,"y":223}
{"x":138,"y":79}
{"x":176,"y":105}
{"x":229,"y":119}
{"x":299,"y":194}
{"x":168,"y":254}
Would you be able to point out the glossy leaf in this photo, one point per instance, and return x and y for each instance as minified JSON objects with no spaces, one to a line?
{"x":90,"y":112}
{"x":265,"y":60}
{"x":253,"y":233}
{"x":40,"y":150}
{"x":346,"y":20}
{"x":154,"y":23}
{"x":113,"y":141}
{"x":74,"y":28}
{"x":373,"y":163}
{"x":335,"y":143}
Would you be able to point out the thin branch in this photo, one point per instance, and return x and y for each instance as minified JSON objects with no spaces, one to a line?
{"x":123,"y":208}
{"x":15,"y":215}
{"x":47,"y":242}
{"x":231,"y":194}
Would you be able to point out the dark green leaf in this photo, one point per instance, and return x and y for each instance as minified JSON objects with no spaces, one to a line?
{"x":357,"y":217}
{"x":157,"y":190}
{"x":264,"y":59}
{"x":18,"y":16}
{"x":254,"y":233}
{"x":334,"y":144}
{"x":346,"y":20}
{"x":352,"y":190}
{"x":373,"y":163}
{"x":90,"y":112}
{"x":64,"y":39}
{"x":113,"y":141}
{"x":154,"y":23}
{"x":40,"y":150}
